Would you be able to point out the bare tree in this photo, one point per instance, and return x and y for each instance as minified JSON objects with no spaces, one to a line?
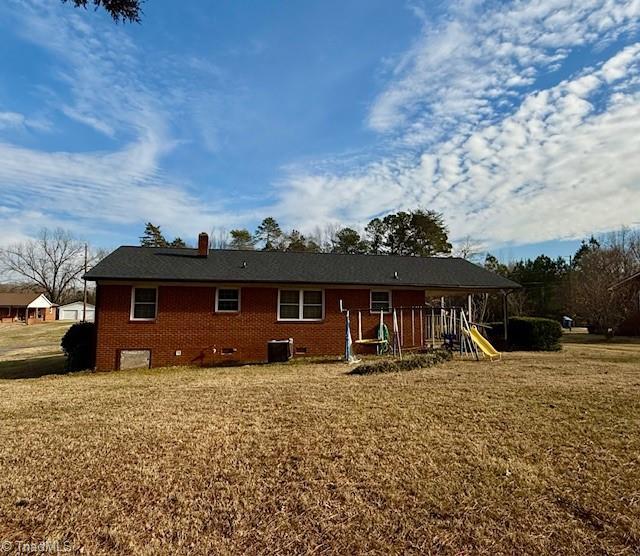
{"x":627,"y":241}
{"x":325,"y":236}
{"x":599,"y":269}
{"x":517,"y":302}
{"x":218,"y":238}
{"x":53,"y":262}
{"x":468,"y":249}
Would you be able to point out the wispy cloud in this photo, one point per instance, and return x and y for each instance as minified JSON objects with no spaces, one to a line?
{"x":481,"y":119}
{"x":14,"y":121}
{"x":109,"y":86}
{"x":468,"y":68}
{"x":11,"y":120}
{"x":478,"y":133}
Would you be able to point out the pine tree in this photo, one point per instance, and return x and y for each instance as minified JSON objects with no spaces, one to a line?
{"x":241,"y":239}
{"x":269,"y":234}
{"x":348,"y":241}
{"x":420,"y":233}
{"x":296,"y":241}
{"x":178,"y":242}
{"x":152,"y":237}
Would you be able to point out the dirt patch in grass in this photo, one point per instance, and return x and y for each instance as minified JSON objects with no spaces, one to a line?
{"x":536,"y":454}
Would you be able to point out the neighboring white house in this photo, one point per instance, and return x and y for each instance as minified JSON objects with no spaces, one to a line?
{"x":73,"y":311}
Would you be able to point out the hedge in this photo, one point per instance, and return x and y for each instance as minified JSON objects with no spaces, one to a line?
{"x":408,"y":364}
{"x":527,"y":334}
{"x":79,"y":345}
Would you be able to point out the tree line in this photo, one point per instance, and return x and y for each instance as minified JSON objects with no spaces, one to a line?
{"x":421,"y":233}
{"x":580,"y":285}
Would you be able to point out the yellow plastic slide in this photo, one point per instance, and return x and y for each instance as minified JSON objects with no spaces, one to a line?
{"x":484,"y":344}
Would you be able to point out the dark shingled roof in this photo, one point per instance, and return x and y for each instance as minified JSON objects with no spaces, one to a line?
{"x":177,"y":265}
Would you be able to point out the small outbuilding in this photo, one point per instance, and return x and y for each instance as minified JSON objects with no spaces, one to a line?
{"x":74,"y":312}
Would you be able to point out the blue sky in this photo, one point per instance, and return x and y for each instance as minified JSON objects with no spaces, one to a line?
{"x":519,"y":121}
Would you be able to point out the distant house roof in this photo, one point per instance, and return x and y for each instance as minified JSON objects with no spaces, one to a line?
{"x":19,"y":299}
{"x":232,"y":266}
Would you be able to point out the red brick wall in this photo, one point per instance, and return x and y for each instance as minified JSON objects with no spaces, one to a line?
{"x":46,"y":315}
{"x":51,"y":315}
{"x":186,"y":321}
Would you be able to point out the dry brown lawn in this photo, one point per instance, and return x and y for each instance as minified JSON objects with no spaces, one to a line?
{"x":538,"y":454}
{"x":31,"y":351}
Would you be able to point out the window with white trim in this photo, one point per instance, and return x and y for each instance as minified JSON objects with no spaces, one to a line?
{"x":144,"y":303}
{"x":380,"y":301}
{"x":227,"y":300}
{"x":300,"y":305}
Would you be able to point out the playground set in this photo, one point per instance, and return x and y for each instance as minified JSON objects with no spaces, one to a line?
{"x":419,"y":329}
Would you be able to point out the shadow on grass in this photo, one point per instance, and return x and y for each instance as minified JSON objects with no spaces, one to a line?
{"x":294,"y":361}
{"x":32,"y":368}
{"x":589,"y":339}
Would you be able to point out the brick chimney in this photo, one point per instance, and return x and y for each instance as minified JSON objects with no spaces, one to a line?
{"x":203,"y":244}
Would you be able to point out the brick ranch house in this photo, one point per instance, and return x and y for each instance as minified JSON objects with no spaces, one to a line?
{"x":201,"y":306}
{"x":30,"y":308}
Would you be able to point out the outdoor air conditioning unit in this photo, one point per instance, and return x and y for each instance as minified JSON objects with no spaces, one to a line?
{"x":279,"y":351}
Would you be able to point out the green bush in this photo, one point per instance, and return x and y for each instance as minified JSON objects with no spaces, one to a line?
{"x":79,"y":345}
{"x":408,"y":364}
{"x":527,"y":334}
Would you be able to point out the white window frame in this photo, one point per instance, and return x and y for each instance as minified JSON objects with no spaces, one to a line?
{"x":377,"y":311}
{"x":133,"y":303}
{"x":301,"y":304}
{"x":218,"y":310}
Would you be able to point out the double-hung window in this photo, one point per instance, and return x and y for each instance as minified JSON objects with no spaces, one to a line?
{"x":227,"y":300}
{"x":144,"y":303}
{"x":300,"y":305}
{"x":380,"y":301}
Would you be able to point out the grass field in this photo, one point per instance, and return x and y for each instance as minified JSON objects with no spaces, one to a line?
{"x":537,"y":454}
{"x":31,"y":351}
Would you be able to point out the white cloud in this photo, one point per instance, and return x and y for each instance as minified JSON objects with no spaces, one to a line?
{"x":111,"y":88}
{"x":504,"y":165}
{"x":14,"y":121}
{"x":96,"y":190}
{"x":622,"y":64}
{"x":11,"y":120}
{"x":459,"y":67}
{"x":584,"y":85}
{"x":462,"y":131}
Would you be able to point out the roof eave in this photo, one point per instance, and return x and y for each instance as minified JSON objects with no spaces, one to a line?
{"x":457,"y":287}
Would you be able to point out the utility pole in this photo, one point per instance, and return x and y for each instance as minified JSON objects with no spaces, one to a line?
{"x":84,"y":289}
{"x":505,"y":314}
{"x":571,"y":313}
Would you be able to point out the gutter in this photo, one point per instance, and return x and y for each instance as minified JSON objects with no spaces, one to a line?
{"x":457,"y":287}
